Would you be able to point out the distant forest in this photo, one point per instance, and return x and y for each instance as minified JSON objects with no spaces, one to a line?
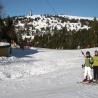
{"x":63,"y":39}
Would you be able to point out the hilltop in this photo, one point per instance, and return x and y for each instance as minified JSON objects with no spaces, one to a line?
{"x":40,"y":24}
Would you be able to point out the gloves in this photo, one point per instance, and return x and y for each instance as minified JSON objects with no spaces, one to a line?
{"x":83,"y":65}
{"x":91,"y":67}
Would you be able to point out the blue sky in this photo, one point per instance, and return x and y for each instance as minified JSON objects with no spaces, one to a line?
{"x":69,"y":7}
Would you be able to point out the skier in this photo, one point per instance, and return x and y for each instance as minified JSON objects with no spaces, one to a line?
{"x":87,"y":68}
{"x":95,"y":66}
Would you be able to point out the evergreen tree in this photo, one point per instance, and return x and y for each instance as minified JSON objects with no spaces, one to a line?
{"x":9,"y":30}
{"x":94,"y":29}
{"x":1,"y":29}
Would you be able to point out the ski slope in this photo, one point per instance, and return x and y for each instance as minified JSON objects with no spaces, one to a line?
{"x":44,"y":73}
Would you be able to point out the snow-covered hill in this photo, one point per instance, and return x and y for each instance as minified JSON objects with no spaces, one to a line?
{"x":44,"y":73}
{"x":38,"y":24}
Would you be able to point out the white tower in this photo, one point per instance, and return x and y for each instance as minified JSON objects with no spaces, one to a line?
{"x":30,"y":13}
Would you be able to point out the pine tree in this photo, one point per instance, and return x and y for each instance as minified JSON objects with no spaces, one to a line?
{"x":1,"y":29}
{"x":94,"y":29}
{"x":9,"y":30}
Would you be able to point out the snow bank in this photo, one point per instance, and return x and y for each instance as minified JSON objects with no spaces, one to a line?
{"x":4,"y":44}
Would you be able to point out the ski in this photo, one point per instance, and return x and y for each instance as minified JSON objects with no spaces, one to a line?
{"x":92,"y":83}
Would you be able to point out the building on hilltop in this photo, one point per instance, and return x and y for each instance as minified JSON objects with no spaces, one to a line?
{"x":30,"y":13}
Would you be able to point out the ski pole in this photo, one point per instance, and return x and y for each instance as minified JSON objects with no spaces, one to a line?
{"x":82,"y":53}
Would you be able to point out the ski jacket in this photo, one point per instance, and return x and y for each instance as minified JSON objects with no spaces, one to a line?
{"x":88,"y":61}
{"x":95,"y":58}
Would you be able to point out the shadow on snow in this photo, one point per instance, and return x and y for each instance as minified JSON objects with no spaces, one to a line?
{"x":23,"y":52}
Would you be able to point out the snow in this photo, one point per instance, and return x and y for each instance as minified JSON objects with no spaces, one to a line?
{"x":44,"y":73}
{"x":77,"y":17}
{"x":40,"y":22}
{"x":25,"y":36}
{"x":4,"y":44}
{"x":20,"y":24}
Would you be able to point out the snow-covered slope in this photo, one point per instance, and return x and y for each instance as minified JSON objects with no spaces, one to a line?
{"x":47,"y":23}
{"x":44,"y":73}
{"x":76,"y":17}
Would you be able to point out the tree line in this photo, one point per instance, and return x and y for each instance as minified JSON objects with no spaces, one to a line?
{"x":63,"y":39}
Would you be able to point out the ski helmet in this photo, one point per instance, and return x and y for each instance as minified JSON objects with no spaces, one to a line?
{"x":96,"y":51}
{"x":87,"y":53}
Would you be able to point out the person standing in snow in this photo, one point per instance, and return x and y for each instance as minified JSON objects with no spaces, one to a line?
{"x":87,"y":68}
{"x":95,"y":66}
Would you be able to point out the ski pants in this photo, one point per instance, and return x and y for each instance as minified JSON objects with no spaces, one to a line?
{"x":87,"y":73}
{"x":95,"y":72}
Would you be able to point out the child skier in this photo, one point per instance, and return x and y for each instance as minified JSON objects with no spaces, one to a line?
{"x":95,"y":66}
{"x":87,"y":66}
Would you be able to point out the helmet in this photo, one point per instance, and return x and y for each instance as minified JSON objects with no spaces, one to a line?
{"x":87,"y":53}
{"x":96,"y":51}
